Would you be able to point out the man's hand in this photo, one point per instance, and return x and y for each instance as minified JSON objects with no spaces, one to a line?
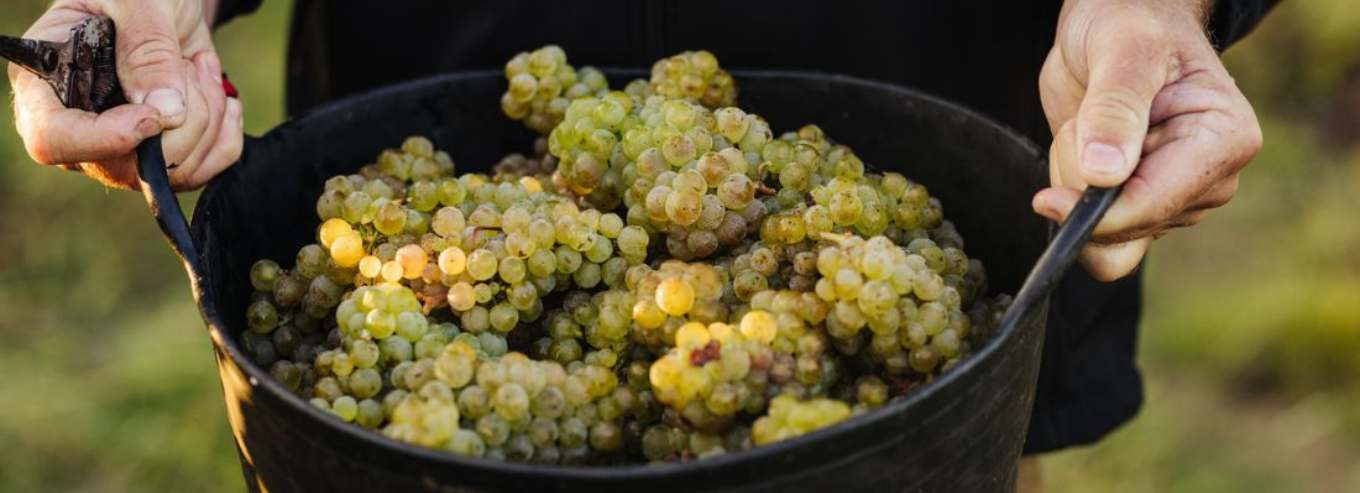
{"x":173,"y":81}
{"x":1135,"y":94}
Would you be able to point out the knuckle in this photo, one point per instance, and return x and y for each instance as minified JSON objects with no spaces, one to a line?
{"x":1186,"y":220}
{"x":155,"y":51}
{"x":1252,"y":139}
{"x":1221,"y":195}
{"x":1216,"y":200}
{"x":1116,"y":105}
{"x":40,"y":146}
{"x":124,"y":142}
{"x":1134,"y":28}
{"x":41,"y":154}
{"x":1051,"y":75}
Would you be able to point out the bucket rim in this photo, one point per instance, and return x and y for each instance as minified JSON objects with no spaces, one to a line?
{"x":259,"y":377}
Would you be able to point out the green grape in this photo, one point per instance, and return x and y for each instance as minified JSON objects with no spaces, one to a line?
{"x":481,"y":264}
{"x":476,"y":320}
{"x":845,"y":208}
{"x":311,"y":261}
{"x":346,"y":408}
{"x":511,"y":402}
{"x":512,"y":269}
{"x":474,"y":401}
{"x":262,"y":317}
{"x":369,"y":415}
{"x":330,"y":205}
{"x":264,"y":274}
{"x":448,"y":220}
{"x":365,"y":383}
{"x":684,"y":208}
{"x":568,"y":260}
{"x":493,"y":429}
{"x":633,"y":241}
{"x":390,"y":218}
{"x":503,"y":317}
{"x":355,"y":208}
{"x":395,"y":350}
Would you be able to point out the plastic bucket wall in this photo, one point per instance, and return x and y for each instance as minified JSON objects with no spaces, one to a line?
{"x":963,"y":432}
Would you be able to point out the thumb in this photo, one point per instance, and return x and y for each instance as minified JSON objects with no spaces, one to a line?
{"x":1113,"y":118}
{"x":150,"y":63}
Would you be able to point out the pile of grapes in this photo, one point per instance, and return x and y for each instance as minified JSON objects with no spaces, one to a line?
{"x":664,"y":279}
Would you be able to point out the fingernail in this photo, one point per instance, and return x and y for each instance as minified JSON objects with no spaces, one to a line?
{"x":1102,"y":158}
{"x":170,"y":102}
{"x":234,"y":111}
{"x":148,"y":127}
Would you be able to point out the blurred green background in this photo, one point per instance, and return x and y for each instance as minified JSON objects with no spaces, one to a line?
{"x":1250,"y":345}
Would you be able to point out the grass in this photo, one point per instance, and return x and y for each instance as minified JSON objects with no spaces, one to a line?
{"x":1251,"y":341}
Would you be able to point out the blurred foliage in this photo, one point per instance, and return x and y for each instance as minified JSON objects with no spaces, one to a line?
{"x":1250,"y":342}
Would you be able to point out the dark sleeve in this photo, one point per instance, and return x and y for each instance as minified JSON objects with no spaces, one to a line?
{"x":229,"y":9}
{"x":1234,"y":19}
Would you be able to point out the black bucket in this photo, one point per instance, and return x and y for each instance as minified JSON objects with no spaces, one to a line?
{"x":964,"y":432}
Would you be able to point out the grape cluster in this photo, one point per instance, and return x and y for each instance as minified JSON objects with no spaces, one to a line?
{"x":663,"y":299}
{"x":515,"y":166}
{"x":542,"y":84}
{"x":661,"y":279}
{"x":789,"y":417}
{"x":677,"y":166}
{"x":710,"y":365}
{"x":692,"y":175}
{"x":694,"y":75}
{"x":804,"y":363}
{"x":899,"y":296}
{"x":510,"y":407}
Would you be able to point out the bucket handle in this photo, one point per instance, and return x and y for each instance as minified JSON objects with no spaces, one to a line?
{"x":154,"y":176}
{"x":1063,"y":250}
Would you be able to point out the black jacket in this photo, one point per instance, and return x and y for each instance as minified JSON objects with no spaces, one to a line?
{"x":986,"y":55}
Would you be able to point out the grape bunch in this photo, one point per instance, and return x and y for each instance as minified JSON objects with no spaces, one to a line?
{"x":659,"y":279}
{"x":694,"y":75}
{"x":542,"y":84}
{"x":509,"y":407}
{"x":709,"y":366}
{"x":789,"y":417}
{"x":899,"y":296}
{"x":665,"y":298}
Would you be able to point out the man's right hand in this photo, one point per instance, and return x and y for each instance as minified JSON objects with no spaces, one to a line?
{"x":172,"y":79}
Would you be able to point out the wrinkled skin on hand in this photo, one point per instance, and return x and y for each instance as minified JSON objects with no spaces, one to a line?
{"x":172,"y":78}
{"x":1135,"y":94}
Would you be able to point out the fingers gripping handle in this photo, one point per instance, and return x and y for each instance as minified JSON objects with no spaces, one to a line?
{"x":1066,"y":245}
{"x":82,"y":72}
{"x":153,"y":173}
